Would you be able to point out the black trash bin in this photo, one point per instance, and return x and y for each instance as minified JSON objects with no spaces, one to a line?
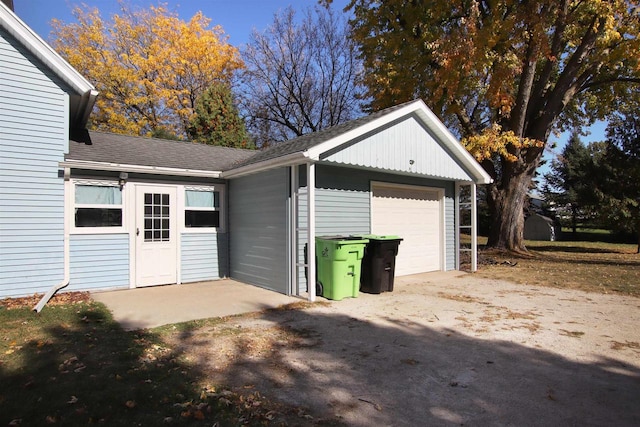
{"x":379,"y":263}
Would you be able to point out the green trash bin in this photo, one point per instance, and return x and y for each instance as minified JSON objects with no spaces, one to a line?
{"x":339,"y":260}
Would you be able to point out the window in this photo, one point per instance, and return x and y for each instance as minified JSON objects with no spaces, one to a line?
{"x":202,"y":209}
{"x":98,"y":206}
{"x":156,"y":217}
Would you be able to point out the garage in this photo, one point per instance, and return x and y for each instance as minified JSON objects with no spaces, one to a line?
{"x":415,"y":214}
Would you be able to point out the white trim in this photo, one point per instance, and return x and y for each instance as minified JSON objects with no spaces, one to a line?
{"x":429,"y":119}
{"x":293,"y":159}
{"x":311,"y":231}
{"x":441,"y":203}
{"x":121,"y":167}
{"x":96,"y":230}
{"x":474,"y":229}
{"x":294,"y":285}
{"x":221,"y":189}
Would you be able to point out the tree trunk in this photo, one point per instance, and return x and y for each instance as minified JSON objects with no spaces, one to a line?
{"x":506,"y":202}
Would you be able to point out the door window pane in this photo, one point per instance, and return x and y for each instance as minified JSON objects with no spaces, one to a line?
{"x":156,"y":217}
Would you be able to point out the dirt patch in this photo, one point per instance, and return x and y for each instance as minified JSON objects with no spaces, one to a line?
{"x":438,"y":350}
{"x":58,"y":299}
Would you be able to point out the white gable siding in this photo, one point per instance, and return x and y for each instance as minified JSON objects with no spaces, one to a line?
{"x":33,"y":138}
{"x":392,"y":147}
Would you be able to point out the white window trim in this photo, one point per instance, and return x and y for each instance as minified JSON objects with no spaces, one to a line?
{"x":222,"y":208}
{"x":97,"y":230}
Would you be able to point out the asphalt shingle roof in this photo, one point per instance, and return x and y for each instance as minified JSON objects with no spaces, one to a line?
{"x":108,"y":147}
{"x":133,"y":150}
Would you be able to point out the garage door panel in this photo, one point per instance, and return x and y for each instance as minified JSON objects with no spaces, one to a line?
{"x":413,"y":213}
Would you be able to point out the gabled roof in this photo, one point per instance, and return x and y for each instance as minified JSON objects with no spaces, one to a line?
{"x":312,"y":147}
{"x":110,"y":151}
{"x":81,"y":102}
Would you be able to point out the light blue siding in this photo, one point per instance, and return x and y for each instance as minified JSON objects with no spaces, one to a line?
{"x":258,"y":211}
{"x":33,"y":139}
{"x":99,"y":261}
{"x":203,"y":256}
{"x":406,"y":147}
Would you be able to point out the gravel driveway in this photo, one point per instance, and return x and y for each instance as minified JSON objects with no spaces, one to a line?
{"x":442,"y":349}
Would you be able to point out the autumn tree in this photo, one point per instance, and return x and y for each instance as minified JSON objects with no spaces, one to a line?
{"x":216,"y":120}
{"x":149,"y":66}
{"x":502,"y":74}
{"x":300,"y":75}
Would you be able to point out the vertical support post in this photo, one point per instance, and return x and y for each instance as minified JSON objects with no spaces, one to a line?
{"x":311,"y":230}
{"x":474,"y":229}
{"x":294,"y":285}
{"x":456,"y":205}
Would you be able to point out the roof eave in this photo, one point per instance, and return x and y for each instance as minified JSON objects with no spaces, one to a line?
{"x":153,"y":170}
{"x":297,"y":158}
{"x":45,"y":53}
{"x":477,"y":173}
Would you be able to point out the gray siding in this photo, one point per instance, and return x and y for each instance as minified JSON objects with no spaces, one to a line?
{"x":203,"y":256}
{"x":33,"y":139}
{"x":391,"y":148}
{"x":258,"y":210}
{"x":99,"y":261}
{"x":343,"y":205}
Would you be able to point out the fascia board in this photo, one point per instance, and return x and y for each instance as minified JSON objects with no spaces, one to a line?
{"x":155,"y":170}
{"x":316,"y":151}
{"x":288,"y":160}
{"x":429,"y":119}
{"x":458,"y":150}
{"x":38,"y":47}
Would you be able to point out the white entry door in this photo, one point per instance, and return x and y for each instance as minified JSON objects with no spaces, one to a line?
{"x":415,"y":214}
{"x":156,"y":235}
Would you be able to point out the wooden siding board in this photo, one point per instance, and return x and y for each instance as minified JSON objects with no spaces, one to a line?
{"x":203,"y":256}
{"x":258,"y":229}
{"x":99,"y":261}
{"x":33,"y":138}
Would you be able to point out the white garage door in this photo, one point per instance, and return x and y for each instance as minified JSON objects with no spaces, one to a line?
{"x":415,"y":214}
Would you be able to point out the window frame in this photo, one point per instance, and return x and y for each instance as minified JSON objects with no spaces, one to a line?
{"x":97,"y":230}
{"x":220,"y":189}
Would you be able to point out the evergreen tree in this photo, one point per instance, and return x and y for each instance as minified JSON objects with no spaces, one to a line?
{"x":216,"y":120}
{"x":566,"y":184}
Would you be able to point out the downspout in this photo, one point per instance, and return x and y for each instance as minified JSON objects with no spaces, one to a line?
{"x":65,"y":280}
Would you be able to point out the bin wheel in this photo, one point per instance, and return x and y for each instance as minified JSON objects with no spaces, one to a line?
{"x":319,"y":288}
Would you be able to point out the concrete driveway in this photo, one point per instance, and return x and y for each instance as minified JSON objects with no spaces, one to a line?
{"x":442,"y":349}
{"x":160,"y":305}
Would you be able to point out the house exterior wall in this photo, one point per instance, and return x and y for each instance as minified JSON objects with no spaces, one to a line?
{"x":405,"y":146}
{"x":258,"y":229}
{"x":105,"y":259}
{"x":343,"y":206}
{"x":204,"y":256}
{"x":33,"y":139}
{"x":99,"y":261}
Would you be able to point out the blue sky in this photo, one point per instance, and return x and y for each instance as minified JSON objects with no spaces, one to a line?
{"x":237,"y":17}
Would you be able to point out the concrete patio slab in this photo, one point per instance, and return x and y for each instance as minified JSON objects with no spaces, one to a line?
{"x":161,"y":305}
